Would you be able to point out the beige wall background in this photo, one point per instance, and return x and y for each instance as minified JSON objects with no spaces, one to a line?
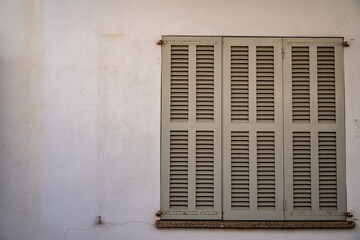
{"x":80,"y":109}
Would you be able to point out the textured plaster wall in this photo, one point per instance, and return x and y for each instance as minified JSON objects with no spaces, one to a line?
{"x":80,"y":109}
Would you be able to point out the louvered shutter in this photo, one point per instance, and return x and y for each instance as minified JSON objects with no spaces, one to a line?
{"x":191,"y":128}
{"x":314,"y":140}
{"x":252,"y":129}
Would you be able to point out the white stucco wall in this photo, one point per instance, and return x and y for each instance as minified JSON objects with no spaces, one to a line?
{"x":80,"y":109}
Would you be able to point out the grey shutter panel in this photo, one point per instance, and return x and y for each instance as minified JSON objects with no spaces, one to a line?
{"x":252,"y":129}
{"x":191,"y":128}
{"x":314,"y":134}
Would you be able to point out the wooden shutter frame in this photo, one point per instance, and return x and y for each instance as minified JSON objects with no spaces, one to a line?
{"x":192,"y":126}
{"x":314,"y":128}
{"x":253,"y":127}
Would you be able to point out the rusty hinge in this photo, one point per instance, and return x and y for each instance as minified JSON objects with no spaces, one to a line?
{"x":348,"y":214}
{"x":345,"y":44}
{"x":282,"y":53}
{"x":160,"y":42}
{"x":158,"y":213}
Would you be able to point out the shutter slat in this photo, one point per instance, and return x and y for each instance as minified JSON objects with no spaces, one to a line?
{"x":301,"y":171}
{"x":205,"y":83}
{"x":266,"y":170}
{"x":239,"y":86}
{"x":300,"y":84}
{"x":240,"y":194}
{"x":327,"y":171}
{"x":178,"y":169}
{"x":179,"y":88}
{"x":326,"y":84}
{"x":265,"y":109}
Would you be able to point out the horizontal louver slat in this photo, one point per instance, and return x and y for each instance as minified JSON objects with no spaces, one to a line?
{"x":178,"y":170}
{"x":301,"y":171}
{"x":179,"y":81}
{"x":326,"y":84}
{"x":300,"y":63}
{"x":327,"y":171}
{"x":204,"y":170}
{"x":266,"y":196}
{"x":204,"y":83}
{"x":239,"y":83}
{"x":265,"y":109}
{"x":240,"y":182}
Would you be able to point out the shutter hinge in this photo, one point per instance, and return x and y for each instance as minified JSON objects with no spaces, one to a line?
{"x":284,"y":204}
{"x":348,"y":214}
{"x":160,"y":42}
{"x":282,"y":53}
{"x":345,"y":44}
{"x":158,"y":213}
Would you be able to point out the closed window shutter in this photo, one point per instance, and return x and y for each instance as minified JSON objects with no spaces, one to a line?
{"x":191,"y":128}
{"x":314,"y":150}
{"x":252,"y":129}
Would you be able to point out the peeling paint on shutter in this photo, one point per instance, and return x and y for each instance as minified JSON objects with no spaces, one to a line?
{"x":314,"y":150}
{"x":252,"y":129}
{"x":191,"y":128}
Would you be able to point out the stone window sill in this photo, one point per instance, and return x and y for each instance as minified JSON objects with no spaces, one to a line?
{"x":256,"y":224}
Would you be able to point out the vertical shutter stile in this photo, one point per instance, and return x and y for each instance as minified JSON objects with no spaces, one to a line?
{"x":252,"y":129}
{"x":314,"y":150}
{"x":191,"y":128}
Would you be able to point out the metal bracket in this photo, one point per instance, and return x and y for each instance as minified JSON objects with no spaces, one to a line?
{"x":345,"y":44}
{"x":99,"y":221}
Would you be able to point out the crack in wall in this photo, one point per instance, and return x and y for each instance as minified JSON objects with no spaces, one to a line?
{"x":104,"y":223}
